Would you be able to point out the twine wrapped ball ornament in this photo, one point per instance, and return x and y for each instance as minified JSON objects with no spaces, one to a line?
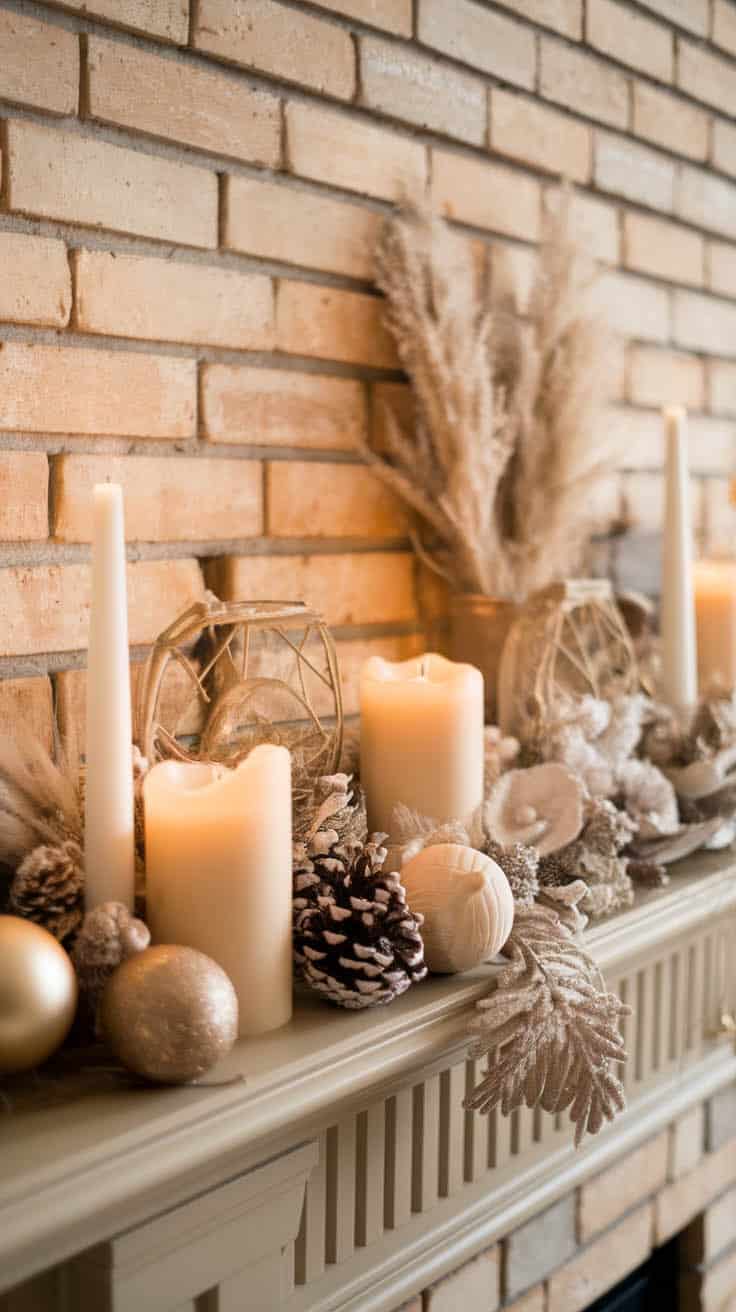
{"x":38,"y":994}
{"x":466,"y":902}
{"x":169,"y":1014}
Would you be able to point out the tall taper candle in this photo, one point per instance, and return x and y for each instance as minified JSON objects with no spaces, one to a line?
{"x":109,"y":859}
{"x":679,"y":669}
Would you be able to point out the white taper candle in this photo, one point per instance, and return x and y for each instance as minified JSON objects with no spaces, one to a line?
{"x":109,"y":858}
{"x":679,"y":668}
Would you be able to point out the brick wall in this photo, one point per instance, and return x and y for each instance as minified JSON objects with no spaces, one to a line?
{"x":190,"y":193}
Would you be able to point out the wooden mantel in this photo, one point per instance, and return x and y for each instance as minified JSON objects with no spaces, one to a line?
{"x":344,"y":1172}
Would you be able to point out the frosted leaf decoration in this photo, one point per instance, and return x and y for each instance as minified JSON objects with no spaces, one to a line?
{"x":650,"y":799}
{"x":540,"y":807}
{"x":467,"y":905}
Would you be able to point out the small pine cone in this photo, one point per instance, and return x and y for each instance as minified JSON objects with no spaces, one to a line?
{"x":520,"y":865}
{"x":648,"y":874}
{"x":48,"y":888}
{"x":108,"y":936}
{"x":355,"y":939}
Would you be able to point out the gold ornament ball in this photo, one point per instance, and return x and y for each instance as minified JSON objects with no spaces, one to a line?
{"x":169,"y":1013}
{"x":38,"y":994}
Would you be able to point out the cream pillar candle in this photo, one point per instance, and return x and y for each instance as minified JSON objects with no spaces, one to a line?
{"x":421,"y":738}
{"x":715,"y":620}
{"x":108,"y":835}
{"x":218,"y":873}
{"x":679,"y":675}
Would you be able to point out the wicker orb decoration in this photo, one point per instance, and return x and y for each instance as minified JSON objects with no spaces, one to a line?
{"x":225,"y":677}
{"x":568,"y":641}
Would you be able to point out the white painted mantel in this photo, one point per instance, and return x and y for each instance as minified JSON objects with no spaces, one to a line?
{"x":344,"y":1173}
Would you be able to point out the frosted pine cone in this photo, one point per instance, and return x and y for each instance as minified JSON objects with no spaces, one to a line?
{"x":109,"y":935}
{"x":48,"y":888}
{"x":519,"y":864}
{"x":355,"y":940}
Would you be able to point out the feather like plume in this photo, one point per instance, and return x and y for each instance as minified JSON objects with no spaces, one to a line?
{"x":549,"y":1029}
{"x":501,"y":465}
{"x":39,"y":801}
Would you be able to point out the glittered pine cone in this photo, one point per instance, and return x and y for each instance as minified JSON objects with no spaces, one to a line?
{"x":48,"y":888}
{"x":355,"y":940}
{"x":108,"y":936}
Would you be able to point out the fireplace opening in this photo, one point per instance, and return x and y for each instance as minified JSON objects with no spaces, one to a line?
{"x":651,"y":1288}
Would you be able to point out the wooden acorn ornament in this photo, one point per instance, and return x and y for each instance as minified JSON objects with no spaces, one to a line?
{"x":466,"y":901}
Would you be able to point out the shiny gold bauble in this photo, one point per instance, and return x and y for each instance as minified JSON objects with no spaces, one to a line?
{"x":38,"y":994}
{"x":169,"y":1013}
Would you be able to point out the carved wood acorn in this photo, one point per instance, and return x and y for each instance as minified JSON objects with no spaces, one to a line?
{"x":355,"y":940}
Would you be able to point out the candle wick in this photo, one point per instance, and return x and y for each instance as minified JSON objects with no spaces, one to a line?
{"x":423,"y":668}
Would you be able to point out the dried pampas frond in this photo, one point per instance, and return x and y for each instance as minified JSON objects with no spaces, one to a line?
{"x":39,"y":805}
{"x":501,"y":466}
{"x":550,"y":1029}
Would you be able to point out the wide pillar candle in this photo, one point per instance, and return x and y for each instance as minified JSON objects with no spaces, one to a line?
{"x":679,"y":670}
{"x":715,"y":622}
{"x":421,"y":738}
{"x":109,"y":854}
{"x":218,"y":873}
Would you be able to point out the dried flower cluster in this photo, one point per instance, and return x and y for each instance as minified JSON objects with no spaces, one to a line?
{"x":501,"y":465}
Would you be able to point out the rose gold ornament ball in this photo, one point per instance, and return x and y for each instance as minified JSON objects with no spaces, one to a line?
{"x":38,"y":994}
{"x":169,"y":1013}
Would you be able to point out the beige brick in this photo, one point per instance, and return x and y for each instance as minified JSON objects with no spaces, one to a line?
{"x":718,"y":1286}
{"x":473,"y":1285}
{"x":722,"y":268}
{"x":724,"y":25}
{"x":713,"y":442}
{"x":606,"y":1197}
{"x":631,"y":38}
{"x":36,"y":284}
{"x":362,"y":588}
{"x":486,"y":195}
{"x":396,"y":398}
{"x":353,"y":654}
{"x":634,"y":171}
{"x":26,"y":708}
{"x":391,"y":15}
{"x":692,"y":14}
{"x":333,"y":325}
{"x":703,"y":323}
{"x":481,"y":38}
{"x":403,"y":82}
{"x":724,"y":146}
{"x":46,"y":608}
{"x":278,"y":407}
{"x":167,"y":19}
{"x":705,"y":75}
{"x":637,"y":436}
{"x":539,"y":1246}
{"x":663,"y":249}
{"x":59,"y":175}
{"x":687,"y":1137}
{"x":533,"y":1301}
{"x":45,"y":389}
{"x":39,"y":64}
{"x":660,"y":378}
{"x":178,"y":710}
{"x":348,"y":152}
{"x":595,"y":222}
{"x":707,"y":201}
{"x":643,"y":502}
{"x":633,"y":306}
{"x":540,"y":137}
{"x":603,"y":1264}
{"x":718,"y":531}
{"x":203,"y":107}
{"x":722,"y":387}
{"x":322,"y":500}
{"x":719,"y":1226}
{"x":277,"y":222}
{"x":564,"y":16}
{"x":670,"y":121}
{"x":583,"y":83}
{"x":282,"y":42}
{"x":165,"y":499}
{"x":165,"y":300}
{"x":24,"y":486}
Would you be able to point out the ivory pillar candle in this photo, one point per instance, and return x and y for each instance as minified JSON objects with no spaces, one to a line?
{"x":421,"y":738}
{"x":679,"y":673}
{"x":109,"y":858}
{"x":715,"y":619}
{"x":218,"y":873}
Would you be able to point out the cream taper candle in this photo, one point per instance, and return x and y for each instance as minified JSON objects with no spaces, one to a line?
{"x":679,"y":687}
{"x":421,"y":738}
{"x":109,"y":859}
{"x":218,"y":873}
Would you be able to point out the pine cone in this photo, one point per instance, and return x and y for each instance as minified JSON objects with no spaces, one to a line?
{"x":109,"y":935}
{"x":519,"y":864}
{"x":48,"y":888}
{"x":355,"y":939}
